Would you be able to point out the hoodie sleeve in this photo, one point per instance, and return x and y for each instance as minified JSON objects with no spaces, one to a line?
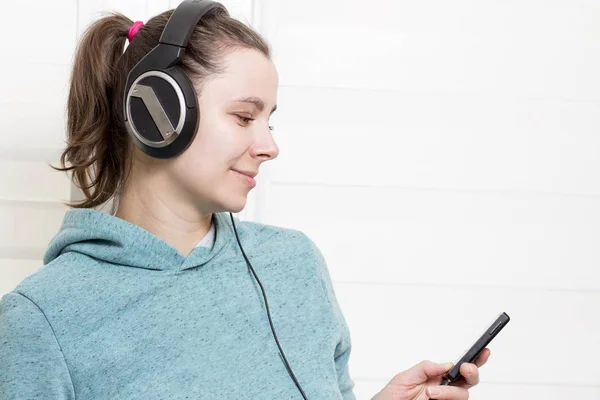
{"x":32,"y":365}
{"x":342,"y":354}
{"x":344,"y":346}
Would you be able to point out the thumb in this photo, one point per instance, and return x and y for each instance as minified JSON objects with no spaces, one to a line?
{"x":426,"y":370}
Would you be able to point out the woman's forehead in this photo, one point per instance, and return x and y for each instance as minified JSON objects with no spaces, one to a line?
{"x":249,"y":77}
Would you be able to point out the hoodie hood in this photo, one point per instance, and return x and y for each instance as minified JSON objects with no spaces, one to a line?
{"x":107,"y":238}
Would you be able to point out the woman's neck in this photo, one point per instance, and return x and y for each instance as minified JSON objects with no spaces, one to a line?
{"x":155,"y":211}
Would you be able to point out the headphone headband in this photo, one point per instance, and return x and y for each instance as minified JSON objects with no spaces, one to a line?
{"x":174,"y":38}
{"x":184,"y":19}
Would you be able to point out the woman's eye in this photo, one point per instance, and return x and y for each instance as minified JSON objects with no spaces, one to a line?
{"x":245,"y":119}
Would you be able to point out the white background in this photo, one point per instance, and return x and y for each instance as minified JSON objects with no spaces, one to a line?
{"x":445,"y":157}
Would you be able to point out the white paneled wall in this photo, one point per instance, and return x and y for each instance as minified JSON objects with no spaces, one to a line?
{"x":36,"y":58}
{"x":445,"y":158}
{"x":443,"y":155}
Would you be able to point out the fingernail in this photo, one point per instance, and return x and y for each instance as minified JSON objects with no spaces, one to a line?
{"x":470,"y":369}
{"x":434,"y":391}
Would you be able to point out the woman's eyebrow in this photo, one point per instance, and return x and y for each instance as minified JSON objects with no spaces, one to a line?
{"x":260,"y":105}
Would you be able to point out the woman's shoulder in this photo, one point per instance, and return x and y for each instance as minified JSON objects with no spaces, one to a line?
{"x":275,"y":235}
{"x":50,"y":281}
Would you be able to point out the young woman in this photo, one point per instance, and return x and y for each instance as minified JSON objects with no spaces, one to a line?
{"x":157,"y":299}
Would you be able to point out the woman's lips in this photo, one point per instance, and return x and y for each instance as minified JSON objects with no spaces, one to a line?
{"x":248,"y":179}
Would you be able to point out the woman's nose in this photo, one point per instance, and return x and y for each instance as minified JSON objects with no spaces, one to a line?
{"x":264,"y":144}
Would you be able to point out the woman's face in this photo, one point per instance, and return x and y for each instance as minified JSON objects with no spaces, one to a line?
{"x":233,"y":134}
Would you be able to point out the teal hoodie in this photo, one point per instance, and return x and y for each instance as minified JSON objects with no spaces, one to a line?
{"x":117,"y":313}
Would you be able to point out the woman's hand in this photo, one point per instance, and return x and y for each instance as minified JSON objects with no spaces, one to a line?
{"x":421,"y":382}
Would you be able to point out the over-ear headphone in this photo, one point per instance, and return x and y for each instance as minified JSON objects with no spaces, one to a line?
{"x":160,"y":107}
{"x":159,"y":104}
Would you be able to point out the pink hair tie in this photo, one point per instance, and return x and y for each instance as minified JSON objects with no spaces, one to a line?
{"x":133,"y":29}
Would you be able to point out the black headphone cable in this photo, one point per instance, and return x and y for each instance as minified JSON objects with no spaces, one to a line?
{"x":281,"y":353}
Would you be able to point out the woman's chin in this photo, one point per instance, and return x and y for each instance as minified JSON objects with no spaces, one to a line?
{"x":235,"y":204}
{"x":237,"y":209}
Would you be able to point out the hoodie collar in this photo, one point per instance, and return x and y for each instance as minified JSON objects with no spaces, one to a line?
{"x":111,"y":239}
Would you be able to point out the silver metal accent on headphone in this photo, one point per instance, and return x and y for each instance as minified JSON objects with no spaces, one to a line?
{"x":156,"y":110}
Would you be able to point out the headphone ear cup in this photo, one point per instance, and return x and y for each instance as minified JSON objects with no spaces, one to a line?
{"x":187,"y":87}
{"x":162,"y":117}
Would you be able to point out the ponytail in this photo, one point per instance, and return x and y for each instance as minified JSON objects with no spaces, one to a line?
{"x":95,"y":151}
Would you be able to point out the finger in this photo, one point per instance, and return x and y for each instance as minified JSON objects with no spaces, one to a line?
{"x":483,"y":357}
{"x":447,"y":393}
{"x":426,"y":370}
{"x":471,"y":374}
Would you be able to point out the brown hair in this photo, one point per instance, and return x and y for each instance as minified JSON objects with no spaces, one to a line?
{"x":98,"y":145}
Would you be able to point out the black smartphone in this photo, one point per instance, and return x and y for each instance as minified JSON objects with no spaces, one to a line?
{"x":471,"y":354}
